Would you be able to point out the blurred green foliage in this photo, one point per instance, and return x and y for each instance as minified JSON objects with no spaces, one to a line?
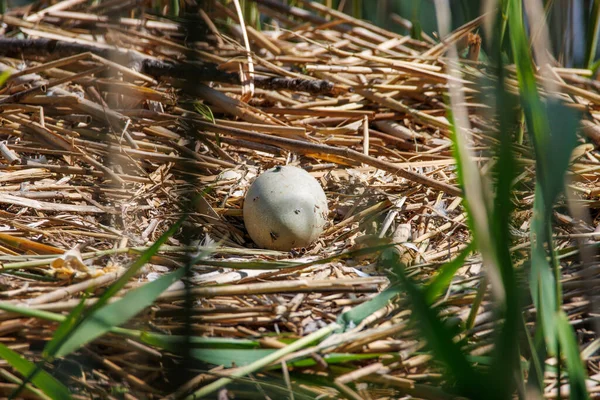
{"x":573,"y":23}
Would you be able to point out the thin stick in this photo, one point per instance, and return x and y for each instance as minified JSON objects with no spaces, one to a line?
{"x":263,"y":362}
{"x":311,"y":148}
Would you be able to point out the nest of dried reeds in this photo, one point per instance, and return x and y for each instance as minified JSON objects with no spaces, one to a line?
{"x":110,"y":125}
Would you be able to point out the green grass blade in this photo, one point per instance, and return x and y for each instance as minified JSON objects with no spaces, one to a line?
{"x":356,"y":315}
{"x":545,"y":297}
{"x":134,"y":267}
{"x":334,"y":358}
{"x":263,"y":362}
{"x":32,"y":312}
{"x":506,"y":349}
{"x":442,"y":279}
{"x":42,"y":379}
{"x":174,"y":342}
{"x":70,"y":326}
{"x":488,"y":222}
{"x":416,"y":31}
{"x":54,"y":317}
{"x":488,"y":214}
{"x":60,"y":334}
{"x":468,"y":381}
{"x":536,"y":370}
{"x":592,"y":34}
{"x":562,"y":139}
{"x":230,"y":358}
{"x":575,"y":366}
{"x":204,"y":111}
{"x":552,"y":128}
{"x":476,"y":200}
{"x":535,"y":116}
{"x":5,"y":74}
{"x":115,"y":314}
{"x":594,"y":67}
{"x":357,"y":7}
{"x":165,"y":342}
{"x":64,"y":329}
{"x":541,"y":279}
{"x":503,"y":24}
{"x":174,"y":9}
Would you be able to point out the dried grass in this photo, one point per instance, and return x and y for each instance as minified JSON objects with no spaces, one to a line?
{"x":102,"y":145}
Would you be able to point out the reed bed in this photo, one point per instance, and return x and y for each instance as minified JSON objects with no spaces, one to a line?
{"x":113,"y":118}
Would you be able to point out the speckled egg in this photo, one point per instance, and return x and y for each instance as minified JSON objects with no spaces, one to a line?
{"x":285,"y":208}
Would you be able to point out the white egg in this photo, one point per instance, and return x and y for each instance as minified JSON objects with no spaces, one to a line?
{"x":285,"y":208}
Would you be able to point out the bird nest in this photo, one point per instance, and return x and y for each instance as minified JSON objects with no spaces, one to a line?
{"x":116,"y":122}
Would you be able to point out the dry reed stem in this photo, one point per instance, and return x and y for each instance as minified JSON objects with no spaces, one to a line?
{"x":100,"y":150}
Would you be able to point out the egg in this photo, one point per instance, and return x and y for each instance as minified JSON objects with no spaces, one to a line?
{"x":285,"y":208}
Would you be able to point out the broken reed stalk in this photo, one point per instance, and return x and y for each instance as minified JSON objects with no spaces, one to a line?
{"x":298,"y":286}
{"x":359,"y":107}
{"x":316,"y":149}
{"x":9,"y":155}
{"x":263,"y":362}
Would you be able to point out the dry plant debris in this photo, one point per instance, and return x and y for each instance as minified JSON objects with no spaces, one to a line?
{"x":107,"y":133}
